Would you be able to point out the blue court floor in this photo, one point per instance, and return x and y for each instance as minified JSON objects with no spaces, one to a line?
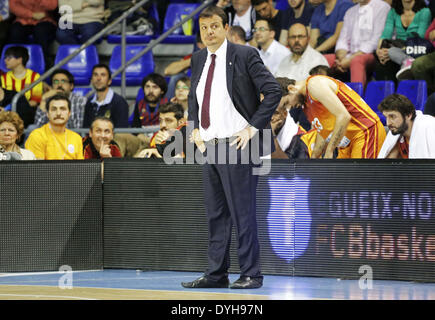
{"x":165,"y":285}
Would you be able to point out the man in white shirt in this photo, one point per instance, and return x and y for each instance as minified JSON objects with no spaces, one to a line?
{"x":225,"y":114}
{"x":362,"y":27}
{"x":272,"y":52}
{"x":303,"y":57}
{"x":240,"y":13}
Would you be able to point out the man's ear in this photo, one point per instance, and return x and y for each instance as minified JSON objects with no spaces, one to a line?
{"x":291,"y":88}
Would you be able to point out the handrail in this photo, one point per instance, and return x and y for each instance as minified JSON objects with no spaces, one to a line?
{"x":76,"y":52}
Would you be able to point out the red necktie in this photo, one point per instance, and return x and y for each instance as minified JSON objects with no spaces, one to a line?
{"x":205,"y":110}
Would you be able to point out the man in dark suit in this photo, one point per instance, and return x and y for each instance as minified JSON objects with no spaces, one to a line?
{"x":227,"y":116}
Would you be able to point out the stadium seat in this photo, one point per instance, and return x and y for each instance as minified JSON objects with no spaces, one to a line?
{"x":138,"y":39}
{"x":174,"y":14}
{"x":36,"y":57}
{"x":81,"y":91}
{"x":81,"y":65}
{"x":357,"y":87}
{"x":376,"y":91}
{"x":415,"y":90}
{"x":134,"y":72}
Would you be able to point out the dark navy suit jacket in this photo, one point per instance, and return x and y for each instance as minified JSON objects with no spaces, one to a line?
{"x":247,"y":77}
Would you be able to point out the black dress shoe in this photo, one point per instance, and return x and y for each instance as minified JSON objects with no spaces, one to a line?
{"x":204,"y":282}
{"x":247,"y":283}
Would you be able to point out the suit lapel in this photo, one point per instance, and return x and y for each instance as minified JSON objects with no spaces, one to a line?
{"x":202,"y":57}
{"x":230,"y":67}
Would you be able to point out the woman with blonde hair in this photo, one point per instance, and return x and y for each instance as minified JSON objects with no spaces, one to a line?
{"x":11,"y":130}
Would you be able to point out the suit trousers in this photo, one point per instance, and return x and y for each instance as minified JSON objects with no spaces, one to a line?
{"x":230,"y":199}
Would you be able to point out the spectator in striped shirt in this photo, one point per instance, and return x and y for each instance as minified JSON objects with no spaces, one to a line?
{"x":146,"y":111}
{"x":18,"y":77}
{"x":63,"y":81}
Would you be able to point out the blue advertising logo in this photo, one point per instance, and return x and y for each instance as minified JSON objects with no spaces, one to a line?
{"x":289,"y":218}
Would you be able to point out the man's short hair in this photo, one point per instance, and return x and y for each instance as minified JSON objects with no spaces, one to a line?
{"x":284,"y":83}
{"x":56,"y":97}
{"x":213,"y":10}
{"x":64,"y":72}
{"x":100,"y":118}
{"x":239,"y":31}
{"x":176,"y":108}
{"x":102,"y":65}
{"x":320,"y":69}
{"x":398,"y":102}
{"x":18,"y":52}
{"x":258,"y":2}
{"x":270,"y":24}
{"x":158,"y":80}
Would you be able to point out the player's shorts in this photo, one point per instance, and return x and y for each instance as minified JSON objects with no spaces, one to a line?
{"x":365,"y":144}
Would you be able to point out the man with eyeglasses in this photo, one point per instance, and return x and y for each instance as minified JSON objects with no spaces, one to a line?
{"x":302,"y":58}
{"x":272,"y":52}
{"x":62,"y":81}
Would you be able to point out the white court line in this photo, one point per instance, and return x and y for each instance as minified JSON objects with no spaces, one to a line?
{"x":41,"y":273}
{"x":43,"y":296}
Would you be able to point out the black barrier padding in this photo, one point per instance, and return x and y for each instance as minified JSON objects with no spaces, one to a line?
{"x":315,"y":218}
{"x":370,"y":214}
{"x":51,"y":215}
{"x":154,"y":218}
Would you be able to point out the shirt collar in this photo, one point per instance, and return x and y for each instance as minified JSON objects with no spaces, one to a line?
{"x":221,"y":52}
{"x":107,"y":100}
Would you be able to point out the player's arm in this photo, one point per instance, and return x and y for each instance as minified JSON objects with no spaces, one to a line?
{"x":324,"y":90}
{"x":319,"y":147}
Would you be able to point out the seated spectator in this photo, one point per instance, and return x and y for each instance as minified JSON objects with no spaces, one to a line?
{"x":171,"y":118}
{"x":87,"y":20}
{"x":53,"y":141}
{"x":181,"y":94}
{"x":362,"y":28}
{"x":5,"y":22}
{"x":33,"y":18}
{"x":300,"y":11}
{"x":240,"y":13}
{"x":24,"y":110}
{"x":322,"y":70}
{"x":237,"y":35}
{"x":100,"y":144}
{"x":178,"y":69}
{"x":140,"y":22}
{"x":11,"y":130}
{"x":326,"y":24}
{"x":146,"y":111}
{"x":272,"y":52}
{"x":18,"y":76}
{"x":404,"y":19}
{"x":105,"y":102}
{"x":278,"y":18}
{"x":423,"y":68}
{"x":411,"y":133}
{"x":302,"y":57}
{"x":63,"y":81}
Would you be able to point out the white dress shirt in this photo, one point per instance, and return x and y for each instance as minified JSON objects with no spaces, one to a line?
{"x":362,"y":27}
{"x":273,"y":55}
{"x":300,"y":69}
{"x":225,"y":120}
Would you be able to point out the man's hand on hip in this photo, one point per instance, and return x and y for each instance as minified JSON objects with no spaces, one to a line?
{"x":243,"y":137}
